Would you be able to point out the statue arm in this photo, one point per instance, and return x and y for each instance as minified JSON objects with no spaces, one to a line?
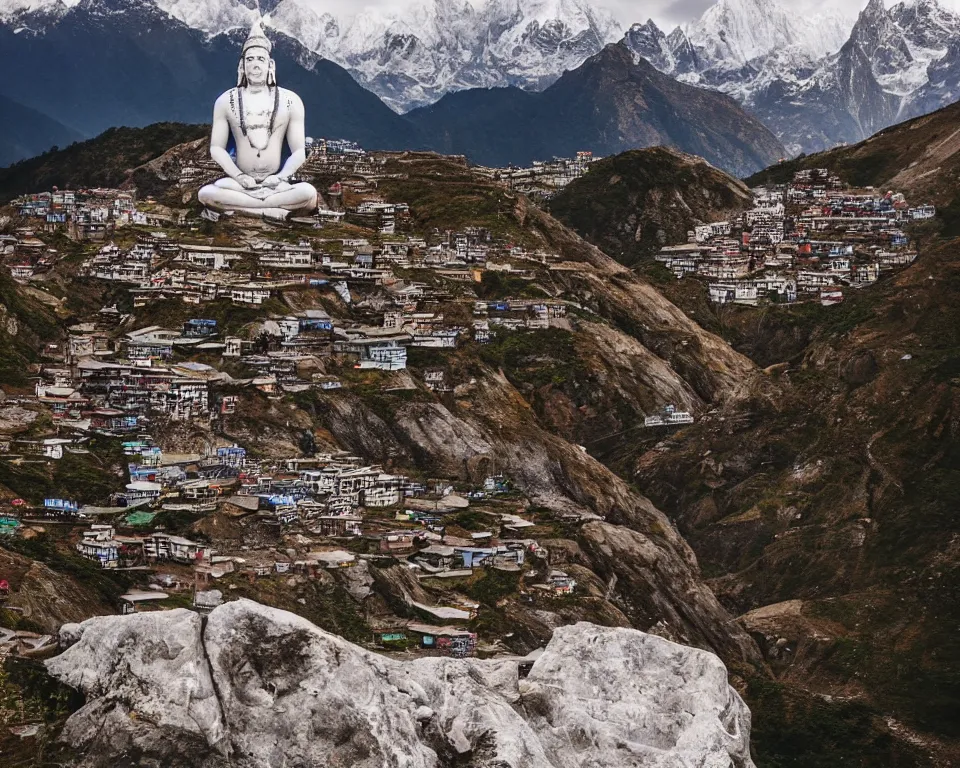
{"x":219,"y":135}
{"x":296,"y":139}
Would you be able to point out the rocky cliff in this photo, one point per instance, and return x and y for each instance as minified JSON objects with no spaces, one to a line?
{"x":253,"y":686}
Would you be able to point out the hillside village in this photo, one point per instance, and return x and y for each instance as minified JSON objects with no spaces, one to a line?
{"x":812,"y":239}
{"x":318,"y":305}
{"x":205,"y":421}
{"x":314,"y":305}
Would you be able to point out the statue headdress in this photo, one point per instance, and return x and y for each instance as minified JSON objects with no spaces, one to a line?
{"x":257,"y":39}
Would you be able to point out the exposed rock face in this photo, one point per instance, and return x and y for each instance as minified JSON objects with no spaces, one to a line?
{"x":45,"y":597}
{"x":261,"y":687}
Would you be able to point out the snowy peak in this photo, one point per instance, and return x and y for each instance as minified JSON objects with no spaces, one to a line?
{"x":28,"y":12}
{"x":926,"y":24}
{"x":734,"y":32}
{"x":738,"y":31}
{"x":296,"y":20}
{"x":902,"y":43}
{"x":210,"y":16}
{"x":413,"y":58}
{"x":647,"y":40}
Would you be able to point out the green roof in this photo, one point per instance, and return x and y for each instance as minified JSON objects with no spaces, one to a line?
{"x":140,"y":518}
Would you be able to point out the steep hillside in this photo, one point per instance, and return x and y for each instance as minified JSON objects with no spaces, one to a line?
{"x":613,"y":102}
{"x":838,"y":490}
{"x":461,"y":197}
{"x":27,"y":320}
{"x":788,"y":486}
{"x":632,"y":204}
{"x":26,"y":132}
{"x":520,"y":407}
{"x":107,"y":160}
{"x":820,"y":506}
{"x":920,"y":157}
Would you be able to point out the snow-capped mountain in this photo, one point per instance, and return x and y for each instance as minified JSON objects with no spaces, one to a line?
{"x":411,"y":58}
{"x":734,"y":39}
{"x":732,"y":33}
{"x":816,"y":80}
{"x":880,"y":76}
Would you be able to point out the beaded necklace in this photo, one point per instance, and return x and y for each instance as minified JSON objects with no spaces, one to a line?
{"x":273,"y":118}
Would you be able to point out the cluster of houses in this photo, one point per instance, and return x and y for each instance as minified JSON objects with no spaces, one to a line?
{"x":92,"y":215}
{"x":544,"y":178}
{"x":337,"y":509}
{"x":351,"y":291}
{"x":809,"y":240}
{"x":110,"y":377}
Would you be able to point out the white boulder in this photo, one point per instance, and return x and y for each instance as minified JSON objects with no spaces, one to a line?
{"x":257,"y":687}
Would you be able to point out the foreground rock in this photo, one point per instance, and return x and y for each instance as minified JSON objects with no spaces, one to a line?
{"x":259,"y":687}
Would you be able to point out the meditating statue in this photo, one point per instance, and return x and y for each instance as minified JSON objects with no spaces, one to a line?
{"x":260,"y":115}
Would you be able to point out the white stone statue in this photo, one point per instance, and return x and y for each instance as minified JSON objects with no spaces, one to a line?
{"x":261,"y":115}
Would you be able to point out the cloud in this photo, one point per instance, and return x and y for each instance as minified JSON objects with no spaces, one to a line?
{"x":667,"y":13}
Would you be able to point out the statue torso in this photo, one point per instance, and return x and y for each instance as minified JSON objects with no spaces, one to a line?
{"x":260,"y":151}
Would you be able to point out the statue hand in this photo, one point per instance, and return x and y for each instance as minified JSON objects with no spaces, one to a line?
{"x":271,"y":181}
{"x":246,"y":181}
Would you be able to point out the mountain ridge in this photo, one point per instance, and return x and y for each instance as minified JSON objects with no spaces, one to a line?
{"x":615,"y":101}
{"x":410,"y":58}
{"x":812,"y":87}
{"x":25,"y":132}
{"x":819,"y":81}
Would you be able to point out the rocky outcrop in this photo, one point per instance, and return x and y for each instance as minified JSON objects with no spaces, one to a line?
{"x":257,"y":687}
{"x":45,"y":598}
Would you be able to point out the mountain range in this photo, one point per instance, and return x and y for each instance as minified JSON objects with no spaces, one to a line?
{"x":815,"y":81}
{"x":140,"y":65}
{"x":409,"y":58}
{"x":618,"y":100}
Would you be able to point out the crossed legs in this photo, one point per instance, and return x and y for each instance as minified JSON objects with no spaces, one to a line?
{"x":229,"y":195}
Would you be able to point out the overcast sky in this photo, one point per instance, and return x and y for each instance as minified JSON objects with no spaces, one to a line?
{"x":666,"y":13}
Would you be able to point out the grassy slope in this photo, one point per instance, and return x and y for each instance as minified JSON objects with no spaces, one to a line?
{"x":25,"y":324}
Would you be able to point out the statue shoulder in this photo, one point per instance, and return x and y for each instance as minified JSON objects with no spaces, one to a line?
{"x":291,"y":100}
{"x":225,"y":101}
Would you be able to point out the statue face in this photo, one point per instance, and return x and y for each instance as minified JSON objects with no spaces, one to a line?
{"x":256,"y":65}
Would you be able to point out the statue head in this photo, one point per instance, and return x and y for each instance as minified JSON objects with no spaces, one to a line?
{"x":256,"y":66}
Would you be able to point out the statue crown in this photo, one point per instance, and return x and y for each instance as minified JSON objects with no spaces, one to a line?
{"x":257,"y":38}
